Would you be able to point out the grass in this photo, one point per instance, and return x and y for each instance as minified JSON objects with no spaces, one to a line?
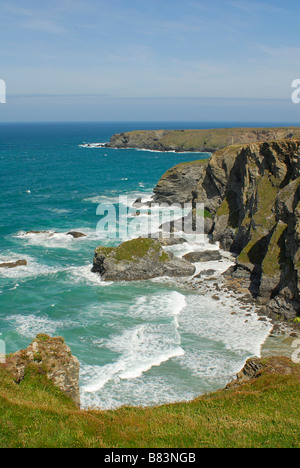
{"x":276,"y":255}
{"x":211,"y":139}
{"x":262,"y":223}
{"x":134,"y":249}
{"x":263,"y":413}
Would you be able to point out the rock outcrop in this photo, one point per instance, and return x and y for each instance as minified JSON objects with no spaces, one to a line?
{"x":204,"y":140}
{"x":257,"y":367}
{"x":177,"y":185}
{"x":138,"y":259}
{"x":252,"y":195}
{"x":206,"y":256}
{"x":16,"y":264}
{"x":76,"y":234}
{"x":52,"y":357}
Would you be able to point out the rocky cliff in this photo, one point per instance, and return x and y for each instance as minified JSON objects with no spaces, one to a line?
{"x":252,"y":193}
{"x":52,"y":357}
{"x":204,"y":140}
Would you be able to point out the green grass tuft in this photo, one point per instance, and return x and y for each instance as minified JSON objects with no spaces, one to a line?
{"x":263,"y":413}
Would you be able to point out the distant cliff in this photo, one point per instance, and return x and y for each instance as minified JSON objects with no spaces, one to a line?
{"x":198,"y":140}
{"x":252,"y":193}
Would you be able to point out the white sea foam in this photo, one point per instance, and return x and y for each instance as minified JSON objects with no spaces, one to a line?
{"x":144,"y":346}
{"x":170,"y":151}
{"x":53,"y":239}
{"x":229,"y":331}
{"x":93,"y":145}
{"x":29,"y":326}
{"x":142,"y":391}
{"x":206,"y":338}
{"x":84,"y":275}
{"x":32,"y":269}
{"x":131,"y":197}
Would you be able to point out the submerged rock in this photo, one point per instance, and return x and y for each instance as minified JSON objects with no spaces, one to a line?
{"x":28,"y":233}
{"x":14,"y":264}
{"x":74,"y":234}
{"x":138,"y":259}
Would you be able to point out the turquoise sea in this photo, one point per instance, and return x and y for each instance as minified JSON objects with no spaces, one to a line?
{"x":141,"y":343}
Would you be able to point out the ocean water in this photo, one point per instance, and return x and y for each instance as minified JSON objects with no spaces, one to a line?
{"x":141,"y":343}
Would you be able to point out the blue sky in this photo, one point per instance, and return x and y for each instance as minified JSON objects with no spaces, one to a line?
{"x":149,"y":59}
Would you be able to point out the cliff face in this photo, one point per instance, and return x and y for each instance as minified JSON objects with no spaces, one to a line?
{"x":198,"y":140}
{"x":253,"y":195}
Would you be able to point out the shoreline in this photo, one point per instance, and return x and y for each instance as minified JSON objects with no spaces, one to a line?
{"x":106,"y":146}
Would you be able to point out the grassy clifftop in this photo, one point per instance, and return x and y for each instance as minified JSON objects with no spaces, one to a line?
{"x":265,"y":412}
{"x":204,"y":140}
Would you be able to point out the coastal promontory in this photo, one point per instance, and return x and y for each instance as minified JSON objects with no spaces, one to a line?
{"x":203,"y":140}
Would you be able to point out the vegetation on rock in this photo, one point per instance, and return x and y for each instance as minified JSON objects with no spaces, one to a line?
{"x":205,"y":140}
{"x":138,"y":259}
{"x":253,"y":195}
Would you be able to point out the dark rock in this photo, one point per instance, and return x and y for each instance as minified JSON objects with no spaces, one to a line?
{"x":16,"y":264}
{"x":76,"y":235}
{"x":238,"y":272}
{"x":251,"y":370}
{"x":206,"y":256}
{"x":138,"y":203}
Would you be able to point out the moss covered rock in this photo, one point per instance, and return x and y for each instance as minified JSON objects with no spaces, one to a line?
{"x":138,"y":259}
